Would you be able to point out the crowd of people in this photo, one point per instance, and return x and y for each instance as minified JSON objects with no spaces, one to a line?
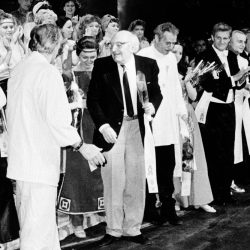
{"x":103,"y":125}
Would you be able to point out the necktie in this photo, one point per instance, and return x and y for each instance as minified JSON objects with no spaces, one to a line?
{"x":127,"y":94}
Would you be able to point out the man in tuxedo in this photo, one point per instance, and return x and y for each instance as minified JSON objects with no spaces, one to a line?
{"x":241,"y":152}
{"x":218,"y":113}
{"x":246,"y":51}
{"x":118,"y":116}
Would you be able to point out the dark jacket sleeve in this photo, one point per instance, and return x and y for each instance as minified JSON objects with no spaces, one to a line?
{"x":95,"y":94}
{"x":155,"y":92}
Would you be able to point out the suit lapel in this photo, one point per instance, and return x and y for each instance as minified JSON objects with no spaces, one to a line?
{"x":113,"y":79}
{"x":233,"y":63}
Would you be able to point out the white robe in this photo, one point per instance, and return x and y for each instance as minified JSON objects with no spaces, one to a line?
{"x":165,"y":124}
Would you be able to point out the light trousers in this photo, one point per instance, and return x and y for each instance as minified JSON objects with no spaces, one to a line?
{"x":124,"y":182}
{"x":36,"y":207}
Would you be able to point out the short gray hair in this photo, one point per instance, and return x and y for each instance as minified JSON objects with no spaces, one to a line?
{"x":162,"y":28}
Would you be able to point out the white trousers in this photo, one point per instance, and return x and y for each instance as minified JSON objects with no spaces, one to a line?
{"x":37,"y":216}
{"x":124,"y":182}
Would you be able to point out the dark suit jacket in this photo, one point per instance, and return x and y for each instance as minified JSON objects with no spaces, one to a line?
{"x":104,"y":98}
{"x":246,"y":56}
{"x":220,"y":87}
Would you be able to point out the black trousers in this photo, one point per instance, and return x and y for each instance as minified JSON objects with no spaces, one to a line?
{"x":9,"y":225}
{"x":218,"y":139}
{"x":165,"y":164}
{"x":241,"y":170}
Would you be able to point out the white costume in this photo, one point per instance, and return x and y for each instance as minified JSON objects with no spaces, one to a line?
{"x":39,"y":123}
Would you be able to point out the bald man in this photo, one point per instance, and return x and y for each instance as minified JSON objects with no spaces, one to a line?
{"x":118,"y":115}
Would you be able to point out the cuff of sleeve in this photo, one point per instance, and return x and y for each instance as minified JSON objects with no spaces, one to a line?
{"x":103,"y":127}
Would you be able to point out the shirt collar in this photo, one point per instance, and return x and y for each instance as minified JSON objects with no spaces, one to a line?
{"x":130,"y":63}
{"x":220,"y":53}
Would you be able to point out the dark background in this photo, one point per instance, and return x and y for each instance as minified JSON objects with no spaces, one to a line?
{"x":192,"y":17}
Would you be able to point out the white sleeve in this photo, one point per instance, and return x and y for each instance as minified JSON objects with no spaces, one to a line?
{"x":55,"y":109}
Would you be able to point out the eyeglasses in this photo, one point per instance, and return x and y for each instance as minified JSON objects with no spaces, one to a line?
{"x":170,"y":43}
{"x":118,"y":44}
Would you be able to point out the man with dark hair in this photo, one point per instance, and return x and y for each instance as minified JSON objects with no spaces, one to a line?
{"x":216,"y":112}
{"x":137,"y":27}
{"x":165,"y":124}
{"x":21,"y":12}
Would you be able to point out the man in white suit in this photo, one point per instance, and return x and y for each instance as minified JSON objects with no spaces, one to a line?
{"x":165,"y":124}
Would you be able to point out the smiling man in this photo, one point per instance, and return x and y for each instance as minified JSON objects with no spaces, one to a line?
{"x":112,"y":101}
{"x":218,"y":129}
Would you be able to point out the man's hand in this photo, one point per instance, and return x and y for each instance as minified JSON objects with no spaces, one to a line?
{"x":241,"y":73}
{"x":92,"y":153}
{"x":109,"y":134}
{"x":149,"y":108}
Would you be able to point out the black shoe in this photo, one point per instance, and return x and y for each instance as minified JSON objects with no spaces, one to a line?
{"x":140,"y":239}
{"x":107,"y":240}
{"x":230,"y":201}
{"x":175,"y":221}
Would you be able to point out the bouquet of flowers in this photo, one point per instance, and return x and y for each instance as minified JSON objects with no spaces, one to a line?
{"x":193,"y":75}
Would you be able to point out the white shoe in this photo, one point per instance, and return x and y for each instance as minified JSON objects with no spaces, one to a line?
{"x":206,"y":208}
{"x":237,"y":189}
{"x":177,"y":207}
{"x":79,"y":232}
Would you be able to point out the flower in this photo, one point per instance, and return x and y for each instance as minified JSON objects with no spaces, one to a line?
{"x":193,"y":75}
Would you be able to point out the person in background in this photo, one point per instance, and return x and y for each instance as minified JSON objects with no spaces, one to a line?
{"x":39,"y":123}
{"x":200,"y":189}
{"x":110,"y":26}
{"x":199,"y":46}
{"x":82,"y":188}
{"x":246,"y":52}
{"x":137,"y":27}
{"x":41,"y":11}
{"x":113,"y":104}
{"x":21,"y":13}
{"x":216,"y":113}
{"x":165,"y":123}
{"x":89,"y":25}
{"x":70,"y":9}
{"x":242,"y":137}
{"x":9,"y":226}
{"x":11,"y":47}
{"x":64,"y":59}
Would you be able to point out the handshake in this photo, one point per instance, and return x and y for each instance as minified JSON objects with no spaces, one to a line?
{"x":92,"y":154}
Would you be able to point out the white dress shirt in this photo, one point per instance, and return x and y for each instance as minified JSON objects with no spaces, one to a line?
{"x":223,"y":58}
{"x":165,"y":123}
{"x":131,"y":74}
{"x":39,"y":121}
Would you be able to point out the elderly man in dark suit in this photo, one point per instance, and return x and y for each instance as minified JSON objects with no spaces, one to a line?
{"x":118,"y":115}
